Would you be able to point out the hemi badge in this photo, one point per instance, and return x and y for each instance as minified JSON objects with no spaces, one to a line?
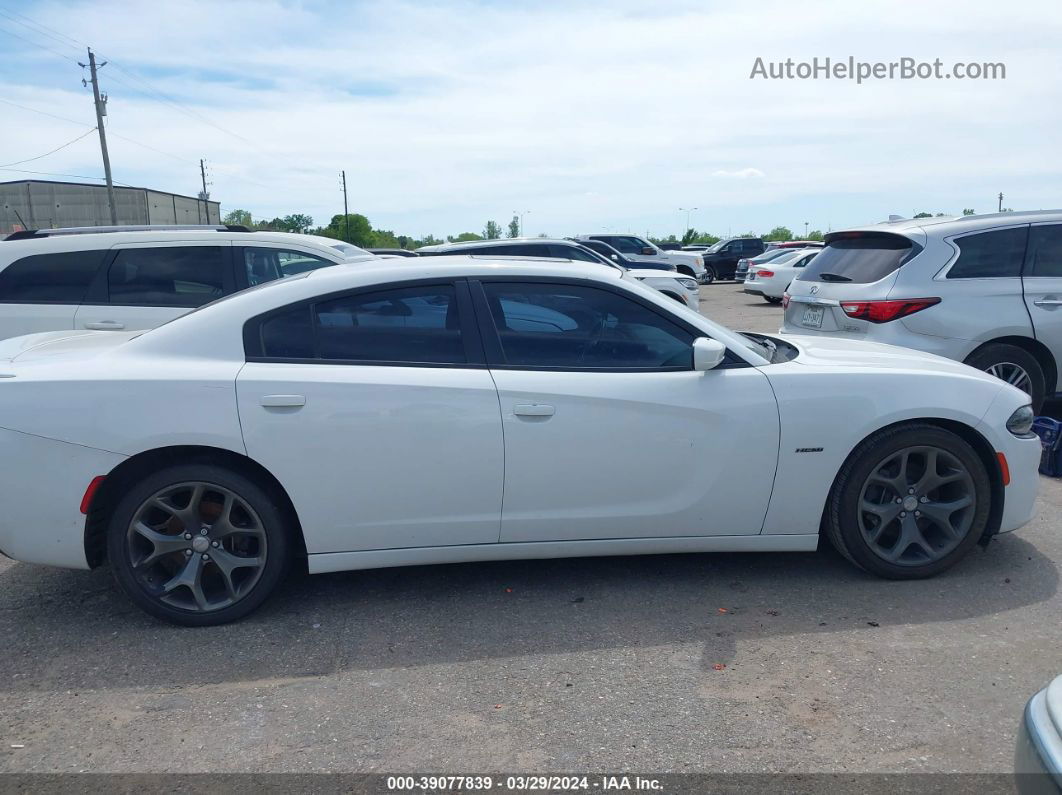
{"x":809,"y":450}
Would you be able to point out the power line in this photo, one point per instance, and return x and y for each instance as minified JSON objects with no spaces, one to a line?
{"x":26,"y":22}
{"x":37,"y":44}
{"x":52,"y":152}
{"x":53,"y":174}
{"x":43,"y":112}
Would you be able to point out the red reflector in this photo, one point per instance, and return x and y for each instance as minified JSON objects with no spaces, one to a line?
{"x":785,"y":300}
{"x":1004,"y":468}
{"x":884,"y":311}
{"x":765,"y":274}
{"x":90,"y":492}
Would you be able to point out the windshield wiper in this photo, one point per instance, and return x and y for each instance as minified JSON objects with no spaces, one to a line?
{"x":833,"y":277}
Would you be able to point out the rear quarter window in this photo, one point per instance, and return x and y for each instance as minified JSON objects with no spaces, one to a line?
{"x":989,"y":255}
{"x":860,"y":259}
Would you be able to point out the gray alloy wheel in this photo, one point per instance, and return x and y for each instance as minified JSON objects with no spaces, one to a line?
{"x":1013,"y":374}
{"x":916,"y":506}
{"x":196,"y":546}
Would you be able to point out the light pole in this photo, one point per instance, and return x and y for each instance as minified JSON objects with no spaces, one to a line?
{"x":805,"y":230}
{"x":687,"y":210}
{"x":521,"y":217}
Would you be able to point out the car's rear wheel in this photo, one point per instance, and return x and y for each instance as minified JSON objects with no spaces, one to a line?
{"x":770,"y":299}
{"x":909,"y":502}
{"x":198,"y":545}
{"x":1014,"y":365}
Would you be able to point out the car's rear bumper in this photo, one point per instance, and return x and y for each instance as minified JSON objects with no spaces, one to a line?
{"x":753,"y":288}
{"x":42,"y":482}
{"x":1038,"y":752}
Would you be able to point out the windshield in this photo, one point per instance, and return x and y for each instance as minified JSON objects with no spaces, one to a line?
{"x":716,"y":246}
{"x":787,"y":255}
{"x":768,"y":256}
{"x":859,"y":257}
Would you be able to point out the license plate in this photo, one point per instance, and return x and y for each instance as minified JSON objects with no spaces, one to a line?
{"x":812,"y":317}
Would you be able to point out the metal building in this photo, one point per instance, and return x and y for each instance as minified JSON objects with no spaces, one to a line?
{"x":41,"y":204}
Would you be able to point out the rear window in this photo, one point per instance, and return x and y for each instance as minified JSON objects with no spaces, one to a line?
{"x":59,"y":278}
{"x":990,"y":255}
{"x":861,"y":260}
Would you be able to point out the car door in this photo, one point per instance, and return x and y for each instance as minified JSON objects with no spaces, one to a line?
{"x":41,"y":292}
{"x":145,"y":285}
{"x":376,"y":412}
{"x":609,"y":432}
{"x":1042,"y":286}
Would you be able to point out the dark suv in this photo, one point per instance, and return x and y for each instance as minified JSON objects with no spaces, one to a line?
{"x":721,"y":259}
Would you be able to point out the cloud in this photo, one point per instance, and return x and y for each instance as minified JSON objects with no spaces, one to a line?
{"x":445,"y":115}
{"x":741,"y":173}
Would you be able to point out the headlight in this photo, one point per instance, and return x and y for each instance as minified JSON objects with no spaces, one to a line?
{"x":700,"y":260}
{"x":689,"y":284}
{"x":1021,"y":421}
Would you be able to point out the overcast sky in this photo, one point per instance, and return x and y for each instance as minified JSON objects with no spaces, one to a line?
{"x":591,"y":116}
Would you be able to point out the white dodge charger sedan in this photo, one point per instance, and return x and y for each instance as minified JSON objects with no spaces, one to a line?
{"x":458,"y":409}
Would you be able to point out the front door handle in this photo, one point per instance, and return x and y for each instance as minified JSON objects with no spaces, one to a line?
{"x":105,"y":325}
{"x":283,"y":401}
{"x":1048,"y":302}
{"x":533,"y":410}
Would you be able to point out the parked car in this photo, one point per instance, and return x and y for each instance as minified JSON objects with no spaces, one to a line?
{"x":721,"y":259}
{"x":126,"y":278}
{"x":669,"y":282}
{"x":985,"y":290}
{"x":669,"y":246}
{"x":770,"y":281}
{"x":609,"y":253}
{"x":640,"y":249}
{"x":760,"y":259}
{"x":392,"y":252}
{"x":1038,"y":757}
{"x":202,"y":457}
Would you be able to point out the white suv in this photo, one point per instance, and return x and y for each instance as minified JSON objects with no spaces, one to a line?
{"x":641,"y":250}
{"x":129,"y":278}
{"x":985,"y":290}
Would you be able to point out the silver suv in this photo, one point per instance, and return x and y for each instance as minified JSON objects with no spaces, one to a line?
{"x":983,"y":289}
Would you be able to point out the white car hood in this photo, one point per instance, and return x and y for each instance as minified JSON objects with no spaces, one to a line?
{"x":841,"y":352}
{"x":51,"y":345}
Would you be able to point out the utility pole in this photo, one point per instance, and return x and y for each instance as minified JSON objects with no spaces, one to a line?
{"x":205,"y":196}
{"x":346,"y":215}
{"x":101,"y":111}
{"x":686,"y":210}
{"x":1001,"y":202}
{"x":805,"y":230}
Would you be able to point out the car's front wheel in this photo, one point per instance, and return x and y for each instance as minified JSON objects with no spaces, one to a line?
{"x":909,"y":502}
{"x":198,"y":544}
{"x":708,"y":276}
{"x":1014,"y":365}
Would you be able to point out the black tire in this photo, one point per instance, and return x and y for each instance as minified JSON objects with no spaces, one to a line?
{"x":770,"y":299}
{"x":1001,"y":355}
{"x":709,"y":275}
{"x":686,"y":270}
{"x":845,"y":520}
{"x":271,"y":537}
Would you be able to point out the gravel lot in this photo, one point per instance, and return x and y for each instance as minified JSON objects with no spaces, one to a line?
{"x":567,"y":665}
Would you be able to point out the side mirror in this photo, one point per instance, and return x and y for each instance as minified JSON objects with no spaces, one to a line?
{"x":648,"y":251}
{"x":614,"y":257}
{"x":707,"y":354}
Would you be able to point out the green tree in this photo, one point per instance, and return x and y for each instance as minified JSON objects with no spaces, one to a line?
{"x":514,"y":226}
{"x":491,"y":231}
{"x":385,"y":238}
{"x":815,"y":234}
{"x":238,"y":218}
{"x":464,"y":237}
{"x":923,"y":215}
{"x":779,"y":234}
{"x":689,"y":237}
{"x":968,"y":211}
{"x":298,"y":222}
{"x":360,"y":229}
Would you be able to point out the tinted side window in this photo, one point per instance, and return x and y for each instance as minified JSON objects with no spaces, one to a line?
{"x":575,"y":253}
{"x":166,"y":276}
{"x":564,"y":326}
{"x":1045,"y":251}
{"x":990,"y":254}
{"x":624,"y":245}
{"x":289,"y":335}
{"x":863,"y":259}
{"x":50,"y":278}
{"x":267,"y":264}
{"x":414,"y":324}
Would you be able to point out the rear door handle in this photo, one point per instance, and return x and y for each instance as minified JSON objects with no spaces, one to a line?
{"x":1048,"y":302}
{"x":533,"y":410}
{"x":105,"y":325}
{"x":283,"y":401}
